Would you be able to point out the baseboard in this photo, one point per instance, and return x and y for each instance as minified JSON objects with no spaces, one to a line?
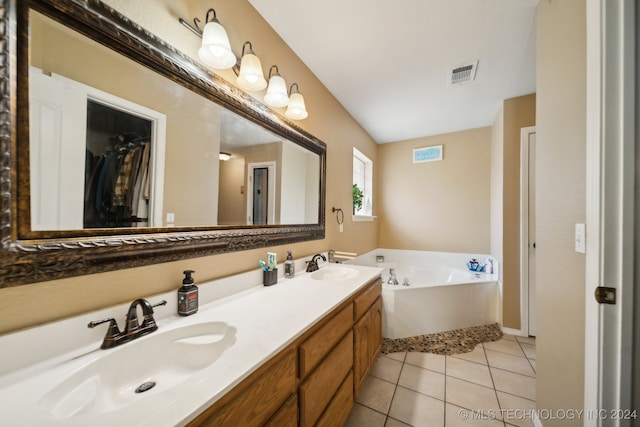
{"x":510,"y":331}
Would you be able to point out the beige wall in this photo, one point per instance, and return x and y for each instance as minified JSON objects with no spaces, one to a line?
{"x":560,"y":181}
{"x":436,"y":206}
{"x":28,"y":305}
{"x":514,"y":114}
{"x":232,"y":205}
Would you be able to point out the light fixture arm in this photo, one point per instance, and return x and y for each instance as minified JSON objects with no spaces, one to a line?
{"x":271,"y":69}
{"x":211,"y":11}
{"x":195,"y":28}
{"x":291,"y":88}
{"x":250,"y":48}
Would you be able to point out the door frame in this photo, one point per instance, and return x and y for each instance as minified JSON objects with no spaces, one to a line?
{"x":158,"y":141}
{"x":524,"y":228}
{"x":271,"y":209}
{"x":610,"y":206}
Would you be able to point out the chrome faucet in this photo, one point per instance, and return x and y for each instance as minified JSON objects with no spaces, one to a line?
{"x":392,"y":277}
{"x":133,"y":329}
{"x":313,"y":264}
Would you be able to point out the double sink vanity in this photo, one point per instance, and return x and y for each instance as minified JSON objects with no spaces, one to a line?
{"x":295,"y":353}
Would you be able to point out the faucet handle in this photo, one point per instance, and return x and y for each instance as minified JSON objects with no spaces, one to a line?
{"x":148,"y":320}
{"x":113,"y":326}
{"x":113,"y":333}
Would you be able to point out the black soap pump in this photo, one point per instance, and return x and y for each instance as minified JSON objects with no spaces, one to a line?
{"x":187,"y":295}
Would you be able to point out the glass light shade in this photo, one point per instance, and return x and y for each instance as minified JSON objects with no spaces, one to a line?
{"x":296,"y":109}
{"x":251,"y":77}
{"x":277,"y":92}
{"x":216,"y":50}
{"x":224,"y":156}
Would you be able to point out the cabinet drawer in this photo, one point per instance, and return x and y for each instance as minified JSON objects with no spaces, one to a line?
{"x":366,"y":299}
{"x":259,"y":400}
{"x":314,"y":349}
{"x":318,"y":390}
{"x":287,"y":415}
{"x":338,"y":410}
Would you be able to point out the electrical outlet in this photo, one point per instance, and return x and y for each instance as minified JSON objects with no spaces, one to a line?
{"x":171,"y":218}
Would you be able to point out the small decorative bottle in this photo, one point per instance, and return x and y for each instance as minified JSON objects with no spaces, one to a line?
{"x":289,"y":266}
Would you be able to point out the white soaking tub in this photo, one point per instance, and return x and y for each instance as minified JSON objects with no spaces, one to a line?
{"x":435,"y":292}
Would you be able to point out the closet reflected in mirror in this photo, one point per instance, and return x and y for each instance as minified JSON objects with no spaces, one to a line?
{"x":130,"y":148}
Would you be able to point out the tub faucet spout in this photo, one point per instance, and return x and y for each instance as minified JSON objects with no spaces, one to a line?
{"x":392,"y":277}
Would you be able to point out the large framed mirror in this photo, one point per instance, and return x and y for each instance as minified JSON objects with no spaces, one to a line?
{"x":119,"y":151}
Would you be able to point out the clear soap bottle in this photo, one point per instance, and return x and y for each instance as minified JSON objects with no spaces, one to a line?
{"x":289,"y":266}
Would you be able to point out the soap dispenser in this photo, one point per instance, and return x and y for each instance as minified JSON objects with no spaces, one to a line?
{"x":187,"y":295}
{"x":289,"y":266}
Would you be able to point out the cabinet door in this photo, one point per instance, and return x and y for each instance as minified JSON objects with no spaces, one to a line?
{"x":361,"y":351}
{"x":375,"y":329}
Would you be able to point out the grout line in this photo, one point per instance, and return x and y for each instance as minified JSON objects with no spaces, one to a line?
{"x":394,"y":391}
{"x":445,"y":393}
{"x":527,"y":357}
{"x":495,"y":390}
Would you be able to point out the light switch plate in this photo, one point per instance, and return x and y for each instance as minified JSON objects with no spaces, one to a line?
{"x":581,"y":238}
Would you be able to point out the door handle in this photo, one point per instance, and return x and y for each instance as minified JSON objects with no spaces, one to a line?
{"x":605,"y":295}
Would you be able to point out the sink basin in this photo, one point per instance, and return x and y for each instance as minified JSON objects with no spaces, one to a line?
{"x":149,"y":365}
{"x":335,"y":273}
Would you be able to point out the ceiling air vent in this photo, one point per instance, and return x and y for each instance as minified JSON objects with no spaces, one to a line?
{"x":463,"y":73}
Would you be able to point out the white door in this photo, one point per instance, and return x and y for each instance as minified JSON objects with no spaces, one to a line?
{"x":57,"y":153}
{"x":613,"y":207}
{"x":528,"y":229}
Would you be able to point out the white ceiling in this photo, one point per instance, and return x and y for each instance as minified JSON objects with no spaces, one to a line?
{"x":387,"y":62}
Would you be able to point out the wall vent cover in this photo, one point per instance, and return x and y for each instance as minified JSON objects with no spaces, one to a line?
{"x":463,"y":73}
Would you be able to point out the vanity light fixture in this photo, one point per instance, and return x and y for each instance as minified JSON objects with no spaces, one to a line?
{"x":251,"y":77}
{"x":216,"y":49}
{"x":277,"y":95}
{"x":224,"y":156}
{"x":296,"y":109}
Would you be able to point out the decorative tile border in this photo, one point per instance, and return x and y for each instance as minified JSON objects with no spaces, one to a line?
{"x":450,"y":342}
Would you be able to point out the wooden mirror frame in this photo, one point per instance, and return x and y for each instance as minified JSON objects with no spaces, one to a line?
{"x":29,"y":256}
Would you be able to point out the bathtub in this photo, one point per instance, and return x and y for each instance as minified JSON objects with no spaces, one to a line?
{"x":436,"y":292}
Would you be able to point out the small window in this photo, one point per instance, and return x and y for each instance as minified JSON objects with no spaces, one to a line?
{"x":362,"y":184}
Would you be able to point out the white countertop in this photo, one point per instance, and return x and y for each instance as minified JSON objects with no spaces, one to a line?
{"x":267,"y":319}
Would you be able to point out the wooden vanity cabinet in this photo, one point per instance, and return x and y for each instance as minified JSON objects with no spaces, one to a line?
{"x":314,"y":381}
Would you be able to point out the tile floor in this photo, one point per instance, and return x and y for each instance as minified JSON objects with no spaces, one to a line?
{"x":494,"y":385}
